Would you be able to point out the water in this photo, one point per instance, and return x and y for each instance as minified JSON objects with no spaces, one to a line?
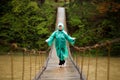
{"x":101,"y":69}
{"x":37,"y":64}
{"x":30,"y":71}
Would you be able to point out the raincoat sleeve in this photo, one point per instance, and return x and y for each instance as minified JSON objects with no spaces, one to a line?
{"x":69,"y":38}
{"x":50,"y":39}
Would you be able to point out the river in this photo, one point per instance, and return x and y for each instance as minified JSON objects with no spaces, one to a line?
{"x":34,"y":66}
{"x":38,"y":62}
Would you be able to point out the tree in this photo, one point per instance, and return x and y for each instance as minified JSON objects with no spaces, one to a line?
{"x":26,"y":23}
{"x":40,"y":2}
{"x":56,"y":0}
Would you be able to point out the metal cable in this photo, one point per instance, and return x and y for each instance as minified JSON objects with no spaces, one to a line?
{"x":88,"y":65}
{"x":12,"y":71}
{"x":108,"y":66}
{"x":39,"y":62}
{"x":96,"y":64}
{"x":30,"y":66}
{"x":23,"y":69}
{"x":82,"y":61}
{"x":35,"y":63}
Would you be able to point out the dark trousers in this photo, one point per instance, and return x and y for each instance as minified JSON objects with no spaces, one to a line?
{"x":61,"y":62}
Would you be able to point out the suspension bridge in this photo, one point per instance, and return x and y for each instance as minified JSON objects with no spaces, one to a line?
{"x":52,"y":71}
{"x":47,"y":68}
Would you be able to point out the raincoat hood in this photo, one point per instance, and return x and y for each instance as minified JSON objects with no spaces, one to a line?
{"x":59,"y":25}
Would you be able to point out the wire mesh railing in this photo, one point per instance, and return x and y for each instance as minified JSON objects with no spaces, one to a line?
{"x":90,"y":63}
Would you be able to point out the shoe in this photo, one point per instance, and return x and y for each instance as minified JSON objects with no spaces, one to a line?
{"x":64,"y":64}
{"x":60,"y":62}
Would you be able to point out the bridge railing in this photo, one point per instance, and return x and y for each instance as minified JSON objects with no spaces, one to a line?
{"x":25,"y":63}
{"x":87,"y":60}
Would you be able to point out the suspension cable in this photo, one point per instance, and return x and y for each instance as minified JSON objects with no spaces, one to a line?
{"x":75,"y":59}
{"x":12,"y":71}
{"x":79,"y":58}
{"x":98,"y":45}
{"x":39,"y":61}
{"x":88,"y":65}
{"x":30,"y":65}
{"x":96,"y":64}
{"x":35,"y":63}
{"x":108,"y":65}
{"x":23,"y":69}
{"x":82,"y":61}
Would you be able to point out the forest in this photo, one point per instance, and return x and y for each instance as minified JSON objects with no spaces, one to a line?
{"x":28,"y":23}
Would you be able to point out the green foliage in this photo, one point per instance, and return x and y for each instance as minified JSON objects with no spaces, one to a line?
{"x":115,"y":50}
{"x":27,"y":23}
{"x":89,"y":26}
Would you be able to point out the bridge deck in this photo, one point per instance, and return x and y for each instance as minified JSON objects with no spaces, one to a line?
{"x":54,"y":72}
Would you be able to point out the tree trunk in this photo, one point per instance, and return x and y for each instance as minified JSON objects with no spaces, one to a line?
{"x":65,"y":1}
{"x":40,"y":2}
{"x":56,"y":0}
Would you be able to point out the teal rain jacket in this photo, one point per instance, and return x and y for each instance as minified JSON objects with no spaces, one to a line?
{"x":60,"y":38}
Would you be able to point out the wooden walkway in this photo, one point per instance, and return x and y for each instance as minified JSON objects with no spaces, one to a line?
{"x":54,"y":72}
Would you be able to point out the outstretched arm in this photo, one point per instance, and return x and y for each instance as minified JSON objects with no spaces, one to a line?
{"x":69,"y":38}
{"x":50,"y":39}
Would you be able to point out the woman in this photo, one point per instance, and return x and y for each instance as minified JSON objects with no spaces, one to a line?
{"x":60,"y":37}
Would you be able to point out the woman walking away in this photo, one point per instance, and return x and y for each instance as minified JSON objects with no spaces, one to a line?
{"x":60,"y":37}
